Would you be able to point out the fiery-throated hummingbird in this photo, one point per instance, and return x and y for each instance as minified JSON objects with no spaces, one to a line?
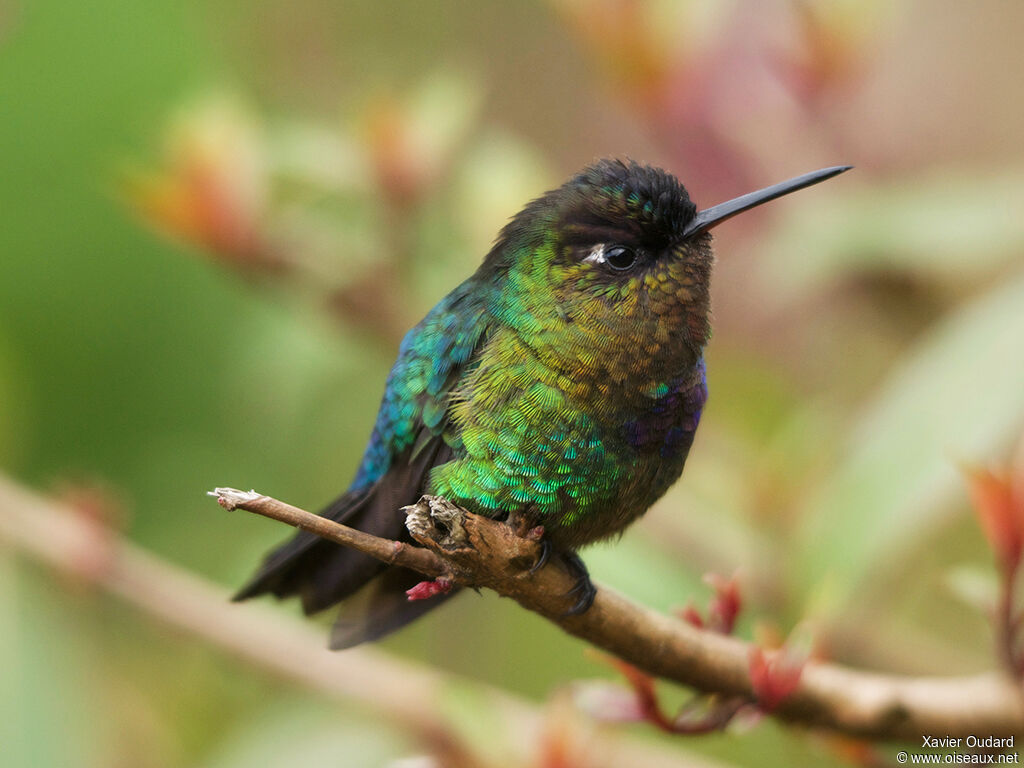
{"x":561,"y":384}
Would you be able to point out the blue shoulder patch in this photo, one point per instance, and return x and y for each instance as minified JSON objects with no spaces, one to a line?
{"x":432,"y":358}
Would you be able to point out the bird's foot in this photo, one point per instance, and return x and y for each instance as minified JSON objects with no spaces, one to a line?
{"x":542,"y":557}
{"x":524,"y":526}
{"x":583,"y":588}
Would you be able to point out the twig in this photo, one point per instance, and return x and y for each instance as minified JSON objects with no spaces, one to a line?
{"x":828,"y":696}
{"x":403,"y":692}
{"x":391,"y":552}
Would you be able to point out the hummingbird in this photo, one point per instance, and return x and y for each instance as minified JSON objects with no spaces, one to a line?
{"x":561,"y":384}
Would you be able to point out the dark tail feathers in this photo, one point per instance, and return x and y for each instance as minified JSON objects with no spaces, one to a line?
{"x":321,"y":573}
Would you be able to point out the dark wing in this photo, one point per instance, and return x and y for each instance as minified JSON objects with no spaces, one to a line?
{"x":408,"y":440}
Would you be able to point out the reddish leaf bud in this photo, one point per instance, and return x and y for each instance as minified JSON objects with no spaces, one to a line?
{"x":773,"y":676}
{"x":428,"y":589}
{"x":726,"y":604}
{"x":692,"y":616}
{"x":1000,"y":513}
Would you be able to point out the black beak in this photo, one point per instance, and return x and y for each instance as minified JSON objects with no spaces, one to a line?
{"x":712,"y":217}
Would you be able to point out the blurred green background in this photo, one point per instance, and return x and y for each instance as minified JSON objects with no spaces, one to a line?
{"x":217,"y":217}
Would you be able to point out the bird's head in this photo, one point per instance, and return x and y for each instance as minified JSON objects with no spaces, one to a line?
{"x":617,"y":260}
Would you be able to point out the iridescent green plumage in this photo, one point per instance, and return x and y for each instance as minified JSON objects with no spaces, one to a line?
{"x":562,"y":383}
{"x":532,"y":370}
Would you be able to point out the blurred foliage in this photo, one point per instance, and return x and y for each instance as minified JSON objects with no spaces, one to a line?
{"x":323,"y":174}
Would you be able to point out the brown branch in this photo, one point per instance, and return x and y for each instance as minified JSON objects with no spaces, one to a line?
{"x":481,"y":552}
{"x":391,"y":552}
{"x":402,"y":692}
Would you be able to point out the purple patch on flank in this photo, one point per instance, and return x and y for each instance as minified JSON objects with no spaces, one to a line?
{"x":672,"y":419}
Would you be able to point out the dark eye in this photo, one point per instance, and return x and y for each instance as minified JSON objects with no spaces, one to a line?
{"x":620,"y":258}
